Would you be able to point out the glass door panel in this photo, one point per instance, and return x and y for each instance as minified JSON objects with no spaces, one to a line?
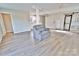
{"x":67,"y":22}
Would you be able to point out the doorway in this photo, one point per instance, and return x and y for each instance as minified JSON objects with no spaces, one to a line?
{"x":67,"y":22}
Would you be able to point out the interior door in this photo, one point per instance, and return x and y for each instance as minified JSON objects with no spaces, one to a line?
{"x":67,"y":22}
{"x":7,"y":22}
{"x":2,"y":25}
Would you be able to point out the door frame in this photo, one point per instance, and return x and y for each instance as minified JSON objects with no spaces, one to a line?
{"x":10,"y":20}
{"x":69,"y":22}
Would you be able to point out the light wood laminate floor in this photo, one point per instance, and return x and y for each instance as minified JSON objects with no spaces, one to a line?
{"x":22,"y":44}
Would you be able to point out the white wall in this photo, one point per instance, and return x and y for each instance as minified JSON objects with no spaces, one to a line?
{"x":20,"y":22}
{"x":54,"y":21}
{"x":61,"y":10}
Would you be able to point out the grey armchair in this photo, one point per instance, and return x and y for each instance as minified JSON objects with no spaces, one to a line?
{"x":40,"y":32}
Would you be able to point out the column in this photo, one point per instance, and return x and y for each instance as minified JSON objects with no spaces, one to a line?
{"x":37,"y":16}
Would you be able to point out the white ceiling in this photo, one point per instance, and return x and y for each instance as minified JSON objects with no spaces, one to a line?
{"x":29,"y":6}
